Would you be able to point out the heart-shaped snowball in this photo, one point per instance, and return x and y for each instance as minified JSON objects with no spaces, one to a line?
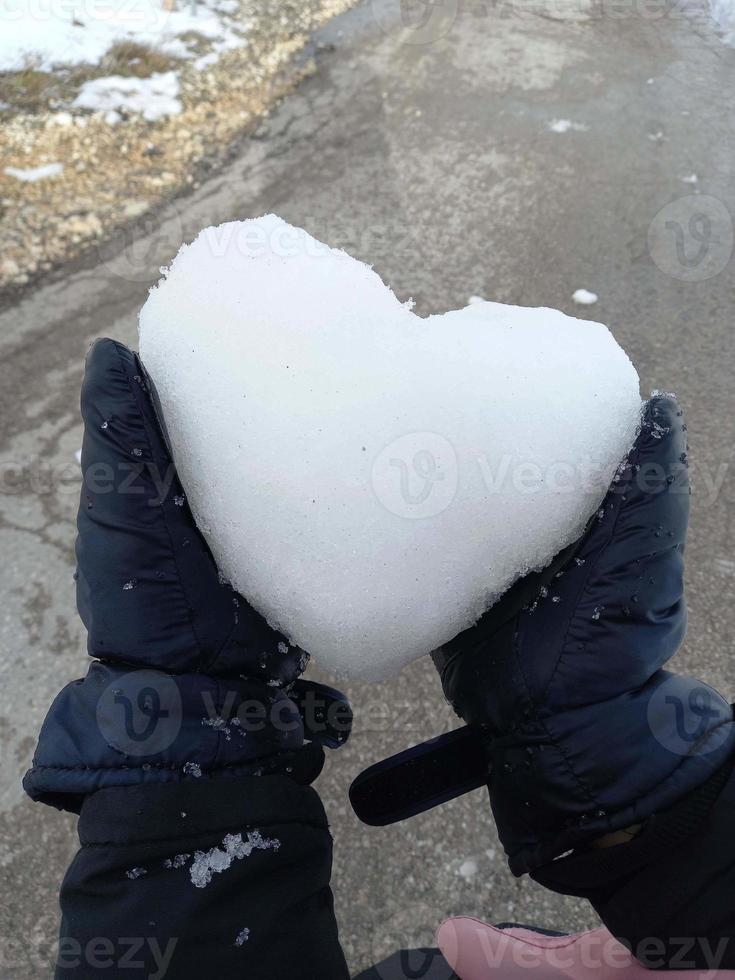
{"x":371,"y":480}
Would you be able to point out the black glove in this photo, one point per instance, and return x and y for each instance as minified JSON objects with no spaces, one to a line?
{"x":189,"y":681}
{"x":570,"y":714}
{"x":562,"y":681}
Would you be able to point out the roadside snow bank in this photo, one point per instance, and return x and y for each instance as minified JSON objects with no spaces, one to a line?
{"x":34,"y":174}
{"x":723,"y":12}
{"x":72,"y":32}
{"x":153,"y":98}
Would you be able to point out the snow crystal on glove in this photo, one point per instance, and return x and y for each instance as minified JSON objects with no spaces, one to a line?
{"x":206,"y":864}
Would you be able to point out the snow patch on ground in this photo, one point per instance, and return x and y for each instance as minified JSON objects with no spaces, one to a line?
{"x":468,"y":869}
{"x":723,"y":13}
{"x":584,"y":297}
{"x":36,"y":173}
{"x":82,"y":31}
{"x":153,"y":98}
{"x":725,"y":566}
{"x":565,"y":125}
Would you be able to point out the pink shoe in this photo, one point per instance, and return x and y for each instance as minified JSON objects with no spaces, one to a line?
{"x":478,"y":951}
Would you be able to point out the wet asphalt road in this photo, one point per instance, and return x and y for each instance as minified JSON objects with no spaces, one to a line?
{"x":427,"y":150}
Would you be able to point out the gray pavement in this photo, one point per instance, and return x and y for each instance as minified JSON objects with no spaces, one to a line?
{"x":427,"y":151}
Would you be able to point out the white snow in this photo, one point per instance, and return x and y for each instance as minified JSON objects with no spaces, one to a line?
{"x":468,"y":869}
{"x":63,"y":119}
{"x":206,"y":864}
{"x":177,"y":861}
{"x":370,"y":480}
{"x":35,"y":174}
{"x":723,"y":13}
{"x":82,"y":31}
{"x":219,"y":724}
{"x":565,"y":125}
{"x":584,"y":297}
{"x":153,"y":97}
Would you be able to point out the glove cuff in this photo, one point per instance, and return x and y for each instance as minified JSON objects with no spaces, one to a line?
{"x":551,"y":793}
{"x":123,"y":727}
{"x":594,"y":873}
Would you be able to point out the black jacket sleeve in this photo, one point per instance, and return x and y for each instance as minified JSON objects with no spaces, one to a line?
{"x":666,"y":895}
{"x":225,"y":879}
{"x":187,"y":749}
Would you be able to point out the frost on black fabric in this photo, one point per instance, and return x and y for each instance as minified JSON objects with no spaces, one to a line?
{"x":206,"y":864}
{"x":178,"y":861}
{"x":218,"y":724}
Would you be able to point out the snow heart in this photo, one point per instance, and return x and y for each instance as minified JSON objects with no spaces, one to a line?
{"x":370,"y":480}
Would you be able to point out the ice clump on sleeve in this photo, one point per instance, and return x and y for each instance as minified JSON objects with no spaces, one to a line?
{"x":371,"y":480}
{"x":206,"y":864}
